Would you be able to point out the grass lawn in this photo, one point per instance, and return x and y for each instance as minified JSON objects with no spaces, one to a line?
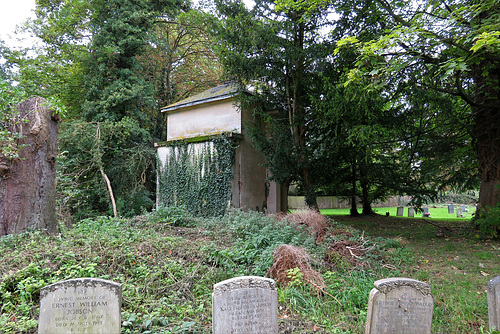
{"x":457,"y":265}
{"x":437,"y":213}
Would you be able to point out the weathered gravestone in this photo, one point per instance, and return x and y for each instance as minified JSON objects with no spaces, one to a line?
{"x":494,"y":303}
{"x":451,"y":208}
{"x":460,"y":212}
{"x":411,"y":212}
{"x":245,"y":305}
{"x":81,"y":305}
{"x":425,"y":212}
{"x":400,"y":305}
{"x":400,"y":211}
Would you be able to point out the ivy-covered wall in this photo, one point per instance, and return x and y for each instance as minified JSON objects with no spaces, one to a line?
{"x":197,"y":176}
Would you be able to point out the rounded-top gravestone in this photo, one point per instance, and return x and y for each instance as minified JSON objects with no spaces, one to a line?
{"x":80,"y":306}
{"x":245,"y":305}
{"x":400,"y":305}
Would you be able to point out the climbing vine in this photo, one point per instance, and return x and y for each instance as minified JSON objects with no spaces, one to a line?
{"x":198,"y":176}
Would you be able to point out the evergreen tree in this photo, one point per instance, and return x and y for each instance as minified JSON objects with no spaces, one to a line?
{"x":277,"y":49}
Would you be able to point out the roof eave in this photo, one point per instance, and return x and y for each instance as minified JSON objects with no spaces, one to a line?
{"x":198,"y":102}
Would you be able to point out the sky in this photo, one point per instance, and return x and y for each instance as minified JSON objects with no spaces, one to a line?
{"x":12,"y":13}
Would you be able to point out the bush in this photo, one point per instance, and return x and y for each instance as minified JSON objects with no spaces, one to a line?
{"x":487,"y":223}
{"x":254,"y":236}
{"x":122,"y":150}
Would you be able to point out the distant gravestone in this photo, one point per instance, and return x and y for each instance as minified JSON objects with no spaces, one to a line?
{"x":245,"y":305}
{"x":400,"y":305}
{"x":494,"y":303}
{"x":451,"y":209}
{"x":81,"y":305}
{"x":460,"y":212}
{"x":400,"y":211}
{"x":411,"y":212}
{"x":425,"y":212}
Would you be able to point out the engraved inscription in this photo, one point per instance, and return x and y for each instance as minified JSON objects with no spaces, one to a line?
{"x":402,"y":315}
{"x":400,"y":305}
{"x":80,"y":306}
{"x":245,"y":305}
{"x":249,"y":311}
{"x":79,"y":314}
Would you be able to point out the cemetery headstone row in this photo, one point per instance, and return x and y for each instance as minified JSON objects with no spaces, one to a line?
{"x":243,"y":305}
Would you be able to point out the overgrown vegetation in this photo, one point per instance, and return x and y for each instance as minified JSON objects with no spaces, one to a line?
{"x":198,"y":176}
{"x":168,"y":262}
{"x":122,"y":151}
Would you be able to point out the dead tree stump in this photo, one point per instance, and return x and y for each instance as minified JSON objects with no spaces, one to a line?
{"x":27,"y":183}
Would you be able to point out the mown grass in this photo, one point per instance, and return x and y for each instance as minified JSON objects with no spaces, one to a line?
{"x":168,"y":262}
{"x":456,"y":264}
{"x":437,"y":213}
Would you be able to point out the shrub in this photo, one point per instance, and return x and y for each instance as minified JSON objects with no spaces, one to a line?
{"x":488,"y":222}
{"x":254,"y":236}
{"x":315,"y":222}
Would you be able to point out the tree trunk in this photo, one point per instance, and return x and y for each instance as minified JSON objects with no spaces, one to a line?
{"x":354,"y":209}
{"x":488,"y":148}
{"x":365,"y":190}
{"x":365,"y":198}
{"x":27,"y":183}
{"x":487,"y":133}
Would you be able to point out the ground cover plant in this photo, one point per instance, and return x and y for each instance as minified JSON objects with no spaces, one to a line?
{"x":168,"y":262}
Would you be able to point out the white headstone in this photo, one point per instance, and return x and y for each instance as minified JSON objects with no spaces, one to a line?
{"x":494,"y":303}
{"x":411,"y":212}
{"x":245,"y":305}
{"x":400,"y":305}
{"x":400,"y":211}
{"x":81,"y":305}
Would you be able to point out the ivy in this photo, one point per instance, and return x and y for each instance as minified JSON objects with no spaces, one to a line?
{"x":198,"y":176}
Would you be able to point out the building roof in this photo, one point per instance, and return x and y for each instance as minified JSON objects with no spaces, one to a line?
{"x":221,"y":92}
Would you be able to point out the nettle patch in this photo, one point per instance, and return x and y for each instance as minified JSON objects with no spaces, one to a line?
{"x":197,"y":176}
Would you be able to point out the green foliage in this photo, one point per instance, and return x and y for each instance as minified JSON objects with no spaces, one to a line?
{"x":198,"y":176}
{"x":150,"y":258}
{"x":9,"y":119}
{"x":144,"y":260}
{"x":414,"y":56}
{"x":124,"y":152}
{"x":279,"y":52}
{"x":173,"y":215}
{"x":487,"y":223}
{"x":115,"y":87}
{"x":254,"y":236}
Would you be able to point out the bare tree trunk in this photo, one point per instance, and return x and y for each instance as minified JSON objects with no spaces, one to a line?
{"x":354,"y":209}
{"x":101,"y":169}
{"x":27,"y":183}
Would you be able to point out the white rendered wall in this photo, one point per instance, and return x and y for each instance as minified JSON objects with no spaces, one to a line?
{"x":207,"y":119}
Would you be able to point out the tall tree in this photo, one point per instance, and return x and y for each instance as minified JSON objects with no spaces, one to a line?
{"x":179,"y":61}
{"x":276,"y":48}
{"x":451,"y":47}
{"x":115,"y":87}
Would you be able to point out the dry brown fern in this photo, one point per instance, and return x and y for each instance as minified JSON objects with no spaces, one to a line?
{"x":288,"y":257}
{"x":315,"y":222}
